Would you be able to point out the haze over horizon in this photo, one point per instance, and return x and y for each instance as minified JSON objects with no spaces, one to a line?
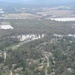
{"x":36,"y":3}
{"x":41,"y":1}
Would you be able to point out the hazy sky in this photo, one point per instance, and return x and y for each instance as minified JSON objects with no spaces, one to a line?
{"x":42,"y":1}
{"x":35,"y":1}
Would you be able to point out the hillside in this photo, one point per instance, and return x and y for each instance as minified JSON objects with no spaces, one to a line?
{"x":37,"y":47}
{"x":38,"y":26}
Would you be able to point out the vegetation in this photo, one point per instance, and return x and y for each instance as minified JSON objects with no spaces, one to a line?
{"x":31,"y":26}
{"x":49,"y":55}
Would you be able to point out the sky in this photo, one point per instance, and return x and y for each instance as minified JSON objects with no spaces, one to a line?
{"x":41,"y":2}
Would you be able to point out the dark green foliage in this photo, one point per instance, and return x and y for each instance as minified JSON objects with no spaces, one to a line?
{"x":29,"y":55}
{"x":31,"y":26}
{"x":1,"y":59}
